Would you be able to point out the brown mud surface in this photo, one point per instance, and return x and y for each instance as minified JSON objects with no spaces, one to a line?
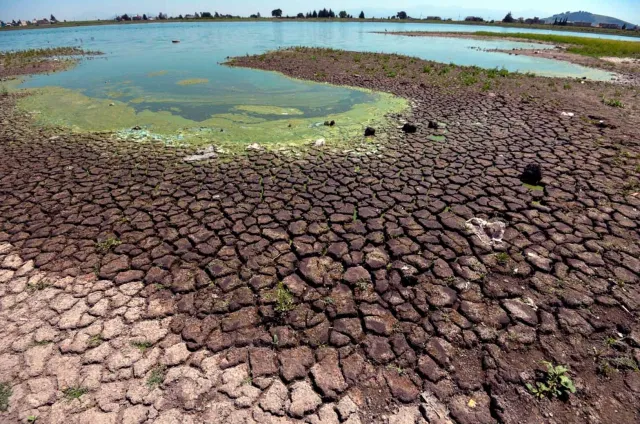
{"x":42,"y":67}
{"x":628,"y":70}
{"x":136,"y":287}
{"x":43,"y":61}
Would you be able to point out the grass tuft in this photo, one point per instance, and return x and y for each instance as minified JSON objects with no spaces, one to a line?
{"x":107,"y":245}
{"x":156,"y":377}
{"x":5,"y":395}
{"x":586,"y":46}
{"x":284,"y":299}
{"x":72,"y":393}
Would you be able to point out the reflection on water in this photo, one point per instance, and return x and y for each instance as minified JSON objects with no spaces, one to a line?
{"x":145,"y":71}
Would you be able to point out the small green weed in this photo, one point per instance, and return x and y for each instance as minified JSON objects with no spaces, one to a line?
{"x":557,"y":383}
{"x":156,"y":377}
{"x":40,"y":285}
{"x":613,"y":102}
{"x":107,"y":245}
{"x":32,"y":419}
{"x":362,"y":284}
{"x":392,"y":74}
{"x":502,"y":258}
{"x":284,"y":299}
{"x":567,"y":86}
{"x":5,"y":394}
{"x":427,"y":69}
{"x":95,"y":340}
{"x":468,"y":79}
{"x":142,"y":346}
{"x":396,"y":368}
{"x":72,"y":393}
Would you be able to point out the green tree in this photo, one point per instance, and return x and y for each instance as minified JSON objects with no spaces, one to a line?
{"x":276,"y":13}
{"x":402,"y":15}
{"x":342,"y":14}
{"x":509,"y":18}
{"x":361,"y":15}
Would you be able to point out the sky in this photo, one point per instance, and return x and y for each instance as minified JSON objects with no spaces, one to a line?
{"x":628,"y":10}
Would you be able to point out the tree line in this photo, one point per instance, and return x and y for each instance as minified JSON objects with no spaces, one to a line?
{"x":324,"y":13}
{"x":163,"y":16}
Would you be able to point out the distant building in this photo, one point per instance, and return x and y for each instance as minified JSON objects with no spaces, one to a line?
{"x":473,"y":19}
{"x":580,"y":24}
{"x":41,"y":22}
{"x":434,"y":18}
{"x":189,"y":17}
{"x":137,"y":18}
{"x":609,"y":26}
{"x":22,"y":23}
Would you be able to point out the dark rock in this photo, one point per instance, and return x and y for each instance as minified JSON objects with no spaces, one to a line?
{"x":532,"y":174}
{"x":409,"y":128}
{"x":369,"y":132}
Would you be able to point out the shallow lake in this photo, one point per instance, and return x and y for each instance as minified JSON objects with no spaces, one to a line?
{"x":147,"y":73}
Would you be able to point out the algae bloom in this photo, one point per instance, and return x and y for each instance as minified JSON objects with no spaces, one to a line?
{"x":193,"y":81}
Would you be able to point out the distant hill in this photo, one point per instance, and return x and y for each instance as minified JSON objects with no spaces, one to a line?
{"x":588,"y":17}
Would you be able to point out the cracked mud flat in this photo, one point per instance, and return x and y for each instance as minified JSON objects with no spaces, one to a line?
{"x":149,"y":286}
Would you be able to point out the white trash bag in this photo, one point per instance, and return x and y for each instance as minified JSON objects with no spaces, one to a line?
{"x":490,"y":233}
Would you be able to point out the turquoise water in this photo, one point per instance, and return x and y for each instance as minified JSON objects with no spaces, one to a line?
{"x":142,"y":67}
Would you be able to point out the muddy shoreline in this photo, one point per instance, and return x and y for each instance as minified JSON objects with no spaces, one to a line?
{"x":331,"y":286}
{"x":627,"y":71}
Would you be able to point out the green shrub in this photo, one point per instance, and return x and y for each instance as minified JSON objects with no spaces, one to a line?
{"x":556,"y":383}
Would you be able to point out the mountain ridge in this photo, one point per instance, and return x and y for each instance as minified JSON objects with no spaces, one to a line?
{"x":595,"y":19}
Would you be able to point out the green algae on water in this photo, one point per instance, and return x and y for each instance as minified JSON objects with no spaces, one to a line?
{"x":269,"y":110}
{"x":533,"y":187}
{"x":437,"y":138}
{"x":242,"y":126}
{"x":193,"y":81}
{"x":157,"y":74}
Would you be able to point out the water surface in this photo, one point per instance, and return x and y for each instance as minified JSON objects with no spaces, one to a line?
{"x":145,"y":72}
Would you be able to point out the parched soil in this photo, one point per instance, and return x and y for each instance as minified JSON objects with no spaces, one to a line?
{"x":330,"y":286}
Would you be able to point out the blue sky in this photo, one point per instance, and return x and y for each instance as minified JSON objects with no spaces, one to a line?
{"x":628,"y":10}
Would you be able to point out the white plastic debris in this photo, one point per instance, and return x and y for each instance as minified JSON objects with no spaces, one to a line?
{"x":488,"y":232}
{"x":569,"y":114}
{"x":254,"y":146}
{"x":204,"y":154}
{"x":320,"y":142}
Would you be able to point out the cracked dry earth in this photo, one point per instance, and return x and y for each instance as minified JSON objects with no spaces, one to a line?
{"x":138,"y":288}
